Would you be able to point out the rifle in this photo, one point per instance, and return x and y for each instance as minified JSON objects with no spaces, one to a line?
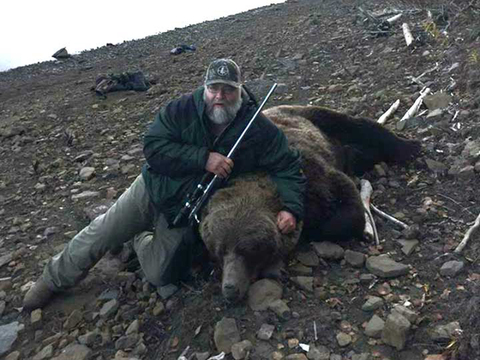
{"x":205,"y":188}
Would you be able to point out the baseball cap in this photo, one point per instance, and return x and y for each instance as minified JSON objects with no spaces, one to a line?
{"x":223,"y":71}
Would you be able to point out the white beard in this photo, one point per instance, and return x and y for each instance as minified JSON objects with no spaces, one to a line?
{"x":223,"y":115}
{"x":220,"y":116}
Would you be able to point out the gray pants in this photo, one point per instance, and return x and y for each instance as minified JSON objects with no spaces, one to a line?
{"x":132,"y":216}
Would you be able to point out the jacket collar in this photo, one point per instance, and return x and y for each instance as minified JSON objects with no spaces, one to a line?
{"x":199,"y":102}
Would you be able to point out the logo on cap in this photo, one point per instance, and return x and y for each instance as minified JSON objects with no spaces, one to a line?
{"x":222,"y":71}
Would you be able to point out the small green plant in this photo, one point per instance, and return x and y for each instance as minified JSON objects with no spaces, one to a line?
{"x":474,"y":57}
{"x":431,"y":28}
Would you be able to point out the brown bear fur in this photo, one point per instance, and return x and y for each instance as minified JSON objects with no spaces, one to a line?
{"x":239,"y":223}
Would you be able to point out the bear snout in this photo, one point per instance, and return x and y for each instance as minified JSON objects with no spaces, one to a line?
{"x":235,"y":279}
{"x":230,"y":292}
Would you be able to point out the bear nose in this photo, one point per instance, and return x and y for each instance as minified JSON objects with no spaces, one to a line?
{"x":230,"y":292}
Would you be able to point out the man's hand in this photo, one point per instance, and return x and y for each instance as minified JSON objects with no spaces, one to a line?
{"x":286,"y":222}
{"x":219,"y":165}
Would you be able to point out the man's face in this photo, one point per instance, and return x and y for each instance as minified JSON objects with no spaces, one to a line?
{"x":222,"y":102}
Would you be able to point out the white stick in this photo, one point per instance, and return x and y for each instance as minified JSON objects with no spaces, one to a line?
{"x":183,"y":355}
{"x":394,"y":18}
{"x":413,"y":110}
{"x":388,"y":217}
{"x":455,"y":116}
{"x":417,"y":79}
{"x":365,"y":193}
{"x":468,"y":235}
{"x":366,"y":190}
{"x":407,"y":34}
{"x":315,"y":330}
{"x":220,"y":356}
{"x":416,"y":105}
{"x":383,"y":119}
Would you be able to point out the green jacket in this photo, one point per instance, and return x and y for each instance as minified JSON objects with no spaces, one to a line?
{"x":178,"y":143}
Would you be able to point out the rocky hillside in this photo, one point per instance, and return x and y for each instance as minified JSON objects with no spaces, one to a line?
{"x":66,"y":153}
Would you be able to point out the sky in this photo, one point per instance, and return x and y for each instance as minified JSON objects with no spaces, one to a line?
{"x":33,"y":30}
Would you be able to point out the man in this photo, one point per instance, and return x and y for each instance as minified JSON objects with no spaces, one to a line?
{"x":189,"y":136}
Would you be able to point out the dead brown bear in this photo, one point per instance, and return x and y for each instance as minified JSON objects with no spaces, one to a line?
{"x":238,"y":225}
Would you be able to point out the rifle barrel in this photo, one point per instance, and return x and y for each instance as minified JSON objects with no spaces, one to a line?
{"x":234,"y":147}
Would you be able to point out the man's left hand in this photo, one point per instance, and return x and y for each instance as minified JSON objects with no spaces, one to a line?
{"x":286,"y":222}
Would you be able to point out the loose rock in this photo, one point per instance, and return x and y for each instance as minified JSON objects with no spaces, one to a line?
{"x":167,"y":291}
{"x":437,"y":101}
{"x":303,"y":282}
{"x":240,"y":350}
{"x":300,"y":269}
{"x":443,"y":333}
{"x":45,"y":353}
{"x":343,"y":339}
{"x":406,"y":313}
{"x":126,"y":342}
{"x":226,"y":334}
{"x":8,"y":335}
{"x":87,"y":173}
{"x":5,"y":259}
{"x":364,"y":356}
{"x":265,"y":332}
{"x":133,"y":327}
{"x":276,"y":355}
{"x":328,"y":250}
{"x":109,"y":308}
{"x":436,"y":166}
{"x":385,"y":267}
{"x":408,"y":246}
{"x":36,"y":318}
{"x":318,"y":353}
{"x":452,"y":268}
{"x":355,"y":258}
{"x":85,"y":195}
{"x":73,"y":320}
{"x":296,"y":357}
{"x":396,"y":330}
{"x":375,"y":327}
{"x":158,"y":309}
{"x":90,"y":338}
{"x":13,"y":356}
{"x":202,"y":355}
{"x":308,"y":258}
{"x":280,"y":308}
{"x":2,"y":307}
{"x":373,"y":303}
{"x":75,"y":352}
{"x":262,"y":293}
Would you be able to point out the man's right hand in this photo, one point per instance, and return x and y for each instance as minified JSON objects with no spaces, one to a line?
{"x":219,"y":165}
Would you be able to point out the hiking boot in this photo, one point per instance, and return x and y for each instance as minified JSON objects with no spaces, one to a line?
{"x":38,"y":296}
